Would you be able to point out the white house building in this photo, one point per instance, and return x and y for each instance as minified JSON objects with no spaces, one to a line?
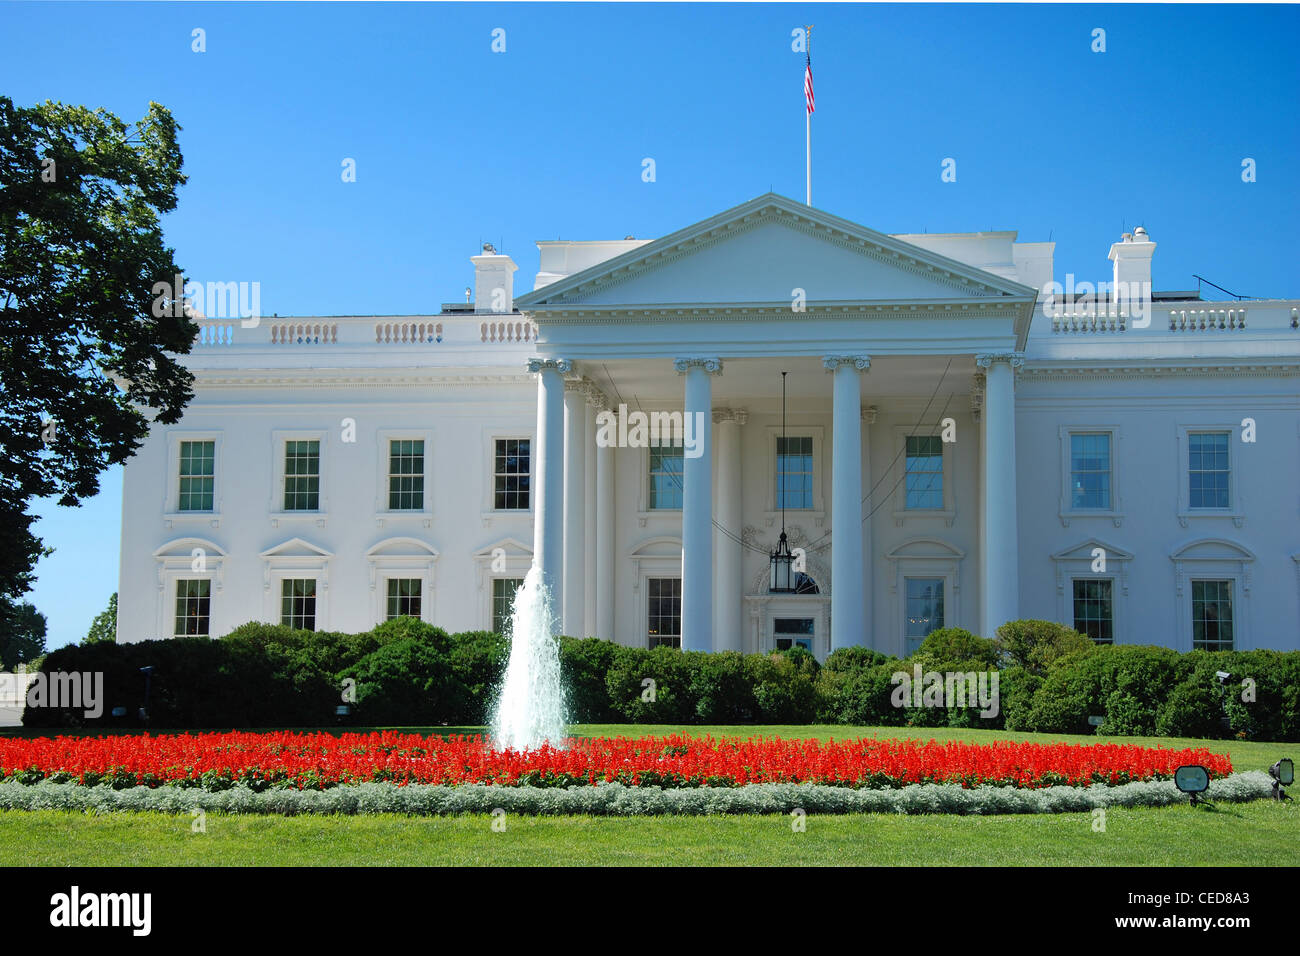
{"x":959,"y":449}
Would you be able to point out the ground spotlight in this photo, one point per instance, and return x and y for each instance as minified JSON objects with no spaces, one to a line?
{"x":1192,"y":779}
{"x":1283,"y":774}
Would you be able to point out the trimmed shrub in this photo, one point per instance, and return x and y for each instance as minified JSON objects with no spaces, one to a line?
{"x":586,"y":662}
{"x":955,"y":645}
{"x":667,"y":700}
{"x":1036,"y":645}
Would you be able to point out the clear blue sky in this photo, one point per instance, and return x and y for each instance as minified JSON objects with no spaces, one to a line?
{"x":455,"y":144}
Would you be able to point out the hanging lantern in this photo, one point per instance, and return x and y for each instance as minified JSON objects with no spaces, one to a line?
{"x":781,"y":571}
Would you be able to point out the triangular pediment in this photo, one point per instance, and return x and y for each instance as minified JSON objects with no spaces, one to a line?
{"x":296,"y":548}
{"x":1084,"y":552}
{"x":764,"y":250}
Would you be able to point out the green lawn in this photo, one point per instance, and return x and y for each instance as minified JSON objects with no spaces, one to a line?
{"x":1259,"y":833}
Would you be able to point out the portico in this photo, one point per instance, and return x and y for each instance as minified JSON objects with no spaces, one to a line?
{"x":873,"y":331}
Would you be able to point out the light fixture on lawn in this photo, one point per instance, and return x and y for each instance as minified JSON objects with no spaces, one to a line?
{"x":781,"y":570}
{"x":1192,"y":779}
{"x":1283,"y":774}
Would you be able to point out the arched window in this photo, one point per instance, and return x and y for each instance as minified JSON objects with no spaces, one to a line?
{"x":804,"y":584}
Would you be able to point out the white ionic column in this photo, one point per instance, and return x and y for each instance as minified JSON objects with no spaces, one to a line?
{"x":868,"y":546}
{"x":548,"y":474}
{"x":604,"y":576}
{"x":575,"y":510}
{"x":729,"y":552}
{"x":697,"y":506}
{"x":848,"y":622}
{"x":1000,"y":571}
{"x":594,"y":404}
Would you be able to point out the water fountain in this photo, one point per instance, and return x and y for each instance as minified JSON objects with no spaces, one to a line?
{"x":530,"y":709}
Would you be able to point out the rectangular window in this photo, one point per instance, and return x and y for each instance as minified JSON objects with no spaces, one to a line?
{"x":924,"y":609}
{"x":794,"y":472}
{"x":793,"y":632}
{"x":406,"y":475}
{"x":302,"y":476}
{"x":511,"y":469}
{"x":1208,"y":469}
{"x":403,"y":598}
{"x":1211,"y":615}
{"x":193,"y":605}
{"x":1090,"y":470}
{"x":197,"y":475}
{"x":924,"y":472}
{"x":1093,"y":614}
{"x":298,"y":603}
{"x":666,"y":473}
{"x":664,"y":624}
{"x":503,"y":601}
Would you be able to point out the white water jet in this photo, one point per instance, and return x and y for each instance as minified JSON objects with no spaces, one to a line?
{"x":530,"y":710}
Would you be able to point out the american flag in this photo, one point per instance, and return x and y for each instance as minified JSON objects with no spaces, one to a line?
{"x":807,"y":84}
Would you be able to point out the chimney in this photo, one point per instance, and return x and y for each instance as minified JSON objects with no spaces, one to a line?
{"x":494,"y":281}
{"x":1132,"y":258}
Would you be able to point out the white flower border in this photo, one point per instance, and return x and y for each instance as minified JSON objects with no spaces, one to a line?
{"x":618,"y":800}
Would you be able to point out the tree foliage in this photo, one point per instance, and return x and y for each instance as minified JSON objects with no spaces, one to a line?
{"x":104,"y":627}
{"x":22,"y":634}
{"x":81,"y":345}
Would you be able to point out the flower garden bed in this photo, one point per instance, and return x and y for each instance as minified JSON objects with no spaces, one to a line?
{"x":257,"y":763}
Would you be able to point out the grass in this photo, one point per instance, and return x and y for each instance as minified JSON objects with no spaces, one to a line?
{"x":1258,"y":833}
{"x":1244,"y":834}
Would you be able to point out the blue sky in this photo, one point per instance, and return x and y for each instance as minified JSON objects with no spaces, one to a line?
{"x":455,"y":144}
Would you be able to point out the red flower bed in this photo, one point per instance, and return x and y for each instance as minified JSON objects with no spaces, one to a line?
{"x":320,"y":760}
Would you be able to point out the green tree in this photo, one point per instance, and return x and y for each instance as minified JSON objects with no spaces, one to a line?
{"x":86,"y":361}
{"x":22,"y":633}
{"x":103,"y":629}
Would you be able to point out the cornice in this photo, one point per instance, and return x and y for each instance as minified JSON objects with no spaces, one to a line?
{"x":279,"y":378}
{"x":1164,"y":370}
{"x":639,"y":313}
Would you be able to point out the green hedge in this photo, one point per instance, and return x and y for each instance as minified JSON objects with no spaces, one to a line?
{"x":406,"y":672}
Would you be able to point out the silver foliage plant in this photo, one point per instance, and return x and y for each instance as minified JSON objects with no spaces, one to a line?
{"x":614,"y":799}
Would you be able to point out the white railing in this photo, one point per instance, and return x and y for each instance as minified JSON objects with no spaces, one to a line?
{"x":1103,"y":321}
{"x":1202,"y":320}
{"x":449,"y":331}
{"x":408,"y":333}
{"x":517,"y":331}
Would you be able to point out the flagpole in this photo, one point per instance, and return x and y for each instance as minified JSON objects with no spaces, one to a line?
{"x":807,"y":121}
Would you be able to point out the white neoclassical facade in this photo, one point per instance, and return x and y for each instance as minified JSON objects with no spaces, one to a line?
{"x":958,"y":448}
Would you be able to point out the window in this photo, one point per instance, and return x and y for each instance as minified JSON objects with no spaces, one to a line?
{"x":1093,"y":611}
{"x":193,"y":606}
{"x":1090,"y":474}
{"x":793,"y":632}
{"x":503,"y":602}
{"x":664,"y":627}
{"x":924,"y":609}
{"x":1212,"y":615}
{"x":924,"y":472}
{"x":298,"y":603}
{"x":302,"y":476}
{"x":406,"y":475}
{"x":403,"y":598}
{"x":1208,"y":470}
{"x":511,"y":474}
{"x":196,"y":487}
{"x":666,"y":484}
{"x":794,"y":473}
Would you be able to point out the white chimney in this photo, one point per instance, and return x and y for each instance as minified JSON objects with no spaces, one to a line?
{"x":494,"y":281}
{"x":1132,"y":258}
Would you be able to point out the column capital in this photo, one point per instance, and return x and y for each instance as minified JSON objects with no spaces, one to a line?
{"x":595,"y":397}
{"x":561,"y":365}
{"x":1014,"y":359}
{"x":737,"y":415}
{"x":860,"y":362}
{"x":869,"y":413}
{"x":712,"y":366}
